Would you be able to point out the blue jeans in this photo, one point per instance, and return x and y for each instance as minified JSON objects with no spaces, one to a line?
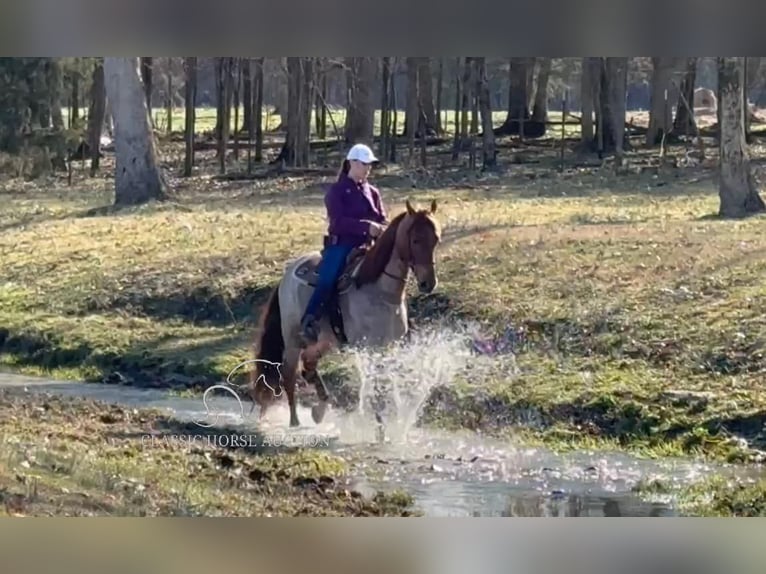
{"x":330,"y":268}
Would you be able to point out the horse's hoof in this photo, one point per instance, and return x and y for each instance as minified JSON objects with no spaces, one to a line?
{"x":294,"y":423}
{"x":318,"y":411}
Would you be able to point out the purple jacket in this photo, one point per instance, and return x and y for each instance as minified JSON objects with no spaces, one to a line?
{"x":348,"y":204}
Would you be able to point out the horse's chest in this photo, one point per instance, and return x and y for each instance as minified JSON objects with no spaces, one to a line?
{"x":375,"y":319}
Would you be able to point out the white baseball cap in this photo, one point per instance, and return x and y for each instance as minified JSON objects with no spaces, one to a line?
{"x":361,"y":152}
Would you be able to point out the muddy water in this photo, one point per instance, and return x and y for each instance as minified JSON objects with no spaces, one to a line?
{"x":450,"y":474}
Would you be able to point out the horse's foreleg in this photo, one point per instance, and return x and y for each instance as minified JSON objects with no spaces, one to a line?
{"x":318,"y":411}
{"x":289,"y":373}
{"x":311,"y":357}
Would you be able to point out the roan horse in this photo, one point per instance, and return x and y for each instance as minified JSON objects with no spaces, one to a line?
{"x":372,"y":305}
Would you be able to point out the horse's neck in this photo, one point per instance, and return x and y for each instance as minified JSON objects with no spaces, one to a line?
{"x":393,"y":288}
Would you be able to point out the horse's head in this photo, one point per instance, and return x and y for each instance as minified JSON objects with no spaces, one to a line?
{"x":416,"y":242}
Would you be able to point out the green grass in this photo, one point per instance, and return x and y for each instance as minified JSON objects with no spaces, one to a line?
{"x":713,"y":497}
{"x":205,"y":119}
{"x":627,"y":290}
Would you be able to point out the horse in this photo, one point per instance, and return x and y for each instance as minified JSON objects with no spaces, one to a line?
{"x":370,"y":306}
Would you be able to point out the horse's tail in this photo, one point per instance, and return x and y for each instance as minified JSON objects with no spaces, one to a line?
{"x":271,"y":345}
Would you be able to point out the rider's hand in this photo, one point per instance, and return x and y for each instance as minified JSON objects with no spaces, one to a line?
{"x":375,"y":229}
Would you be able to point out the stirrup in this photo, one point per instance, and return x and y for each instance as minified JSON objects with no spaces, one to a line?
{"x":310,"y":330}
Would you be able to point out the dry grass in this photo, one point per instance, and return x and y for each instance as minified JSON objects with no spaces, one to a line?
{"x":625,"y":285}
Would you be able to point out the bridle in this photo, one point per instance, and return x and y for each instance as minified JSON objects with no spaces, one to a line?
{"x":410,"y":267}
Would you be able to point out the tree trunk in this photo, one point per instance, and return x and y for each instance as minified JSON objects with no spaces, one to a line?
{"x":660,"y":111}
{"x":518,"y":96}
{"x":247,"y":95}
{"x":258,"y":109}
{"x":190,"y":65}
{"x":589,"y":72}
{"x":736,"y":187}
{"x":169,"y":96}
{"x":361,"y":111}
{"x":295,"y":150}
{"x":55,"y":88}
{"x":426,"y":98}
{"x":146,"y":77}
{"x":410,"y":126}
{"x":610,"y":125}
{"x":224,"y":109}
{"x":684,"y":123}
{"x":96,"y":116}
{"x":489,"y":160}
{"x":540,"y":107}
{"x":75,"y":115}
{"x":457,"y":141}
{"x":384,"y":109}
{"x":394,"y":115}
{"x":236,"y":82}
{"x":420,"y":97}
{"x":439,"y":91}
{"x":466,"y":99}
{"x":138,"y":178}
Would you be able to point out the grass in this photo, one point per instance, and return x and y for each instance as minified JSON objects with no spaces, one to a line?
{"x":205,"y":120}
{"x":713,"y":497}
{"x":643,"y":316}
{"x":81,"y":458}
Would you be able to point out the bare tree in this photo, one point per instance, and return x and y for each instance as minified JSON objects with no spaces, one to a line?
{"x":295,"y":151}
{"x":138,"y":178}
{"x":190,"y":67}
{"x":96,"y":115}
{"x":540,"y":107}
{"x":146,"y":77}
{"x":590,"y":72}
{"x":736,"y":187}
{"x":258,"y":108}
{"x":661,"y":112}
{"x":488,"y":136}
{"x":610,"y":108}
{"x":55,"y":85}
{"x":518,"y":96}
{"x":684,"y":123}
{"x":361,"y":110}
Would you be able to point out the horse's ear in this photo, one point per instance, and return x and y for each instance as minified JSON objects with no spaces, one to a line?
{"x":410,"y":209}
{"x":433,"y":206}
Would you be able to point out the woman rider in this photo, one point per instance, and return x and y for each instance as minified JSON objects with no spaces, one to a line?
{"x":356,"y":215}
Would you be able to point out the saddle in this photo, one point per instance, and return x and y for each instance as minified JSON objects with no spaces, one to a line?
{"x":307,"y":271}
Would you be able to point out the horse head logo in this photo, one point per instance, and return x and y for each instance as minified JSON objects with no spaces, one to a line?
{"x":232,"y":388}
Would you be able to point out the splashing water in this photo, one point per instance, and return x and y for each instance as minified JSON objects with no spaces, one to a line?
{"x":396,"y":382}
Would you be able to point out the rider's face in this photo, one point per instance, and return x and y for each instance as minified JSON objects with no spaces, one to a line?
{"x":359,"y":171}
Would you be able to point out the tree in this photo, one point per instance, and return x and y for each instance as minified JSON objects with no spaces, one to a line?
{"x":489,"y":154}
{"x":612,"y":78}
{"x":190,"y":101}
{"x":361,"y":111}
{"x":137,"y":176}
{"x":660,"y":114}
{"x":96,"y":112}
{"x":684,"y":123}
{"x":518,"y":96}
{"x":736,"y":185}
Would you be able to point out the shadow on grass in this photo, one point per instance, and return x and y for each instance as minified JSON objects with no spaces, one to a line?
{"x":191,"y":365}
{"x":202,"y":305}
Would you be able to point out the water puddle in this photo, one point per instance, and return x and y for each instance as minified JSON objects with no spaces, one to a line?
{"x":450,"y":474}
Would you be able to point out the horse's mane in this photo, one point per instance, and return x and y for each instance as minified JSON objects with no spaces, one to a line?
{"x":376,"y":259}
{"x":378,"y":256}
